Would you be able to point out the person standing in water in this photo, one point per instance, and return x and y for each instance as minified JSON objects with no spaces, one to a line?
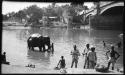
{"x":112,"y":58}
{"x":92,"y":58}
{"x":75,"y":53}
{"x":85,"y":52}
{"x":119,"y":44}
{"x":52,"y":47}
{"x":104,"y":44}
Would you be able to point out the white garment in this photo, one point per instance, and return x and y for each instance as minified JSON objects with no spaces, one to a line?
{"x":35,"y":35}
{"x":86,"y":50}
{"x":92,"y":56}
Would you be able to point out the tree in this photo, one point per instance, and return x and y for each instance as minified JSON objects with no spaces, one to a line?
{"x":35,"y":14}
{"x":11,"y":14}
{"x":5,"y":17}
{"x":74,"y":9}
{"x":20,"y":14}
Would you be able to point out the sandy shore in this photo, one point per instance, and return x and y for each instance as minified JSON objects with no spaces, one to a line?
{"x":17,"y":69}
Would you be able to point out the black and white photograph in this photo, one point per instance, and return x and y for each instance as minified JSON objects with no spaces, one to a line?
{"x":83,"y":37}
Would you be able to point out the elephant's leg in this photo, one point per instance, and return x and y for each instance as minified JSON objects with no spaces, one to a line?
{"x":44,"y":48}
{"x":40,"y":48}
{"x":28,"y":46}
{"x":32,"y":48}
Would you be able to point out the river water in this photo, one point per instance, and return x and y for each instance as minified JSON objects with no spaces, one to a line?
{"x":14,"y":43}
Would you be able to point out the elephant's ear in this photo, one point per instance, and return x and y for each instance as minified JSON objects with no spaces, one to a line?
{"x":29,"y":38}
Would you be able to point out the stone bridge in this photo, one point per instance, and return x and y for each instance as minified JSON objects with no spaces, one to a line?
{"x":103,"y":9}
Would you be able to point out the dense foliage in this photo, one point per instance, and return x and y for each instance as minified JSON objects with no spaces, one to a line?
{"x":33,"y":14}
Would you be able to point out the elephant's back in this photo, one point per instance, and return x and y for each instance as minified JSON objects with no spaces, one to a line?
{"x":36,"y":35}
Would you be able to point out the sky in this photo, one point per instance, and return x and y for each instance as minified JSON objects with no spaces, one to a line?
{"x":9,"y":6}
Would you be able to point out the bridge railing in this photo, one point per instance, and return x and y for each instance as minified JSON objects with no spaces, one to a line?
{"x":109,"y":3}
{"x":105,"y":3}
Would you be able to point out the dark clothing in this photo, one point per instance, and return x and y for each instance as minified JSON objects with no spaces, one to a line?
{"x":62,"y":63}
{"x":119,"y":45}
{"x":104,"y":44}
{"x":3,"y":58}
{"x":112,"y":54}
{"x":112,"y":59}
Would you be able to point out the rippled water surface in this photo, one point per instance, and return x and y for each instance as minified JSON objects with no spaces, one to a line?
{"x":14,"y":42}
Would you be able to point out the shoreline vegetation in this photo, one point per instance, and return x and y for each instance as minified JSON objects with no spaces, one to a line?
{"x":13,"y":25}
{"x":74,"y":15}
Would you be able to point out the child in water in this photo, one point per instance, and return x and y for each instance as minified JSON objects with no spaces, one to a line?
{"x":62,"y":63}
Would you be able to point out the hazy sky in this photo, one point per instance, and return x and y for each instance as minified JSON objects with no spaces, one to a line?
{"x":10,"y":6}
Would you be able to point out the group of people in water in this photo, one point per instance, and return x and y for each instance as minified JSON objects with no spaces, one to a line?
{"x":89,"y":54}
{"x":90,"y":57}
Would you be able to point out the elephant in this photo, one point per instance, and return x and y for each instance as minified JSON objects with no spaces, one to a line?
{"x":37,"y":40}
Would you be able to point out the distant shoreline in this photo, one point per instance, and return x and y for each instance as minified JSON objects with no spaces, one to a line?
{"x":28,"y":27}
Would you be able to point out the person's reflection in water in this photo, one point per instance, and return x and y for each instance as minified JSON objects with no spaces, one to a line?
{"x":39,"y":57}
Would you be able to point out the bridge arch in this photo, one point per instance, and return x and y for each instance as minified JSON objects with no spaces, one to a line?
{"x":88,"y":15}
{"x":119,"y":4}
{"x":114,"y":11}
{"x":92,"y":13}
{"x":87,"y":18}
